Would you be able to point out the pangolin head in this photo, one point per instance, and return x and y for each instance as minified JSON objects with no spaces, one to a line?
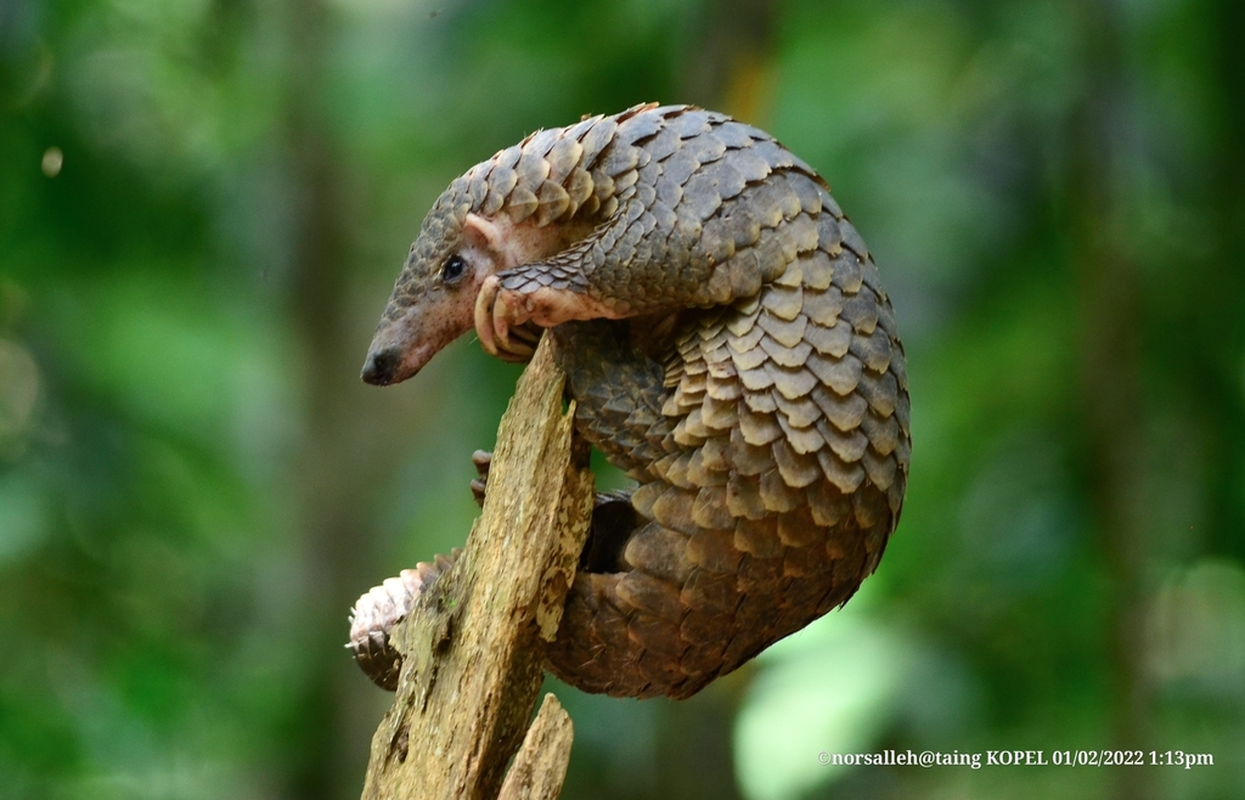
{"x":433,"y":300}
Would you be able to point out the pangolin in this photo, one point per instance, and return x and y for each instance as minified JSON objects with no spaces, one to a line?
{"x":729,"y":345}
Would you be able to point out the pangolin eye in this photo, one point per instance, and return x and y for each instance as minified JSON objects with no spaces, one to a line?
{"x":453,"y":268}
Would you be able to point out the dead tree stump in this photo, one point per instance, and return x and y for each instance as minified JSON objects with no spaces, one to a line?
{"x":472,"y":647}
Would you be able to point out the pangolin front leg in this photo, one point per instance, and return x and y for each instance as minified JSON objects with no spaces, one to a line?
{"x":507,"y":304}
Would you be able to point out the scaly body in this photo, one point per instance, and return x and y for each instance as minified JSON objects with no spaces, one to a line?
{"x":730,"y":346}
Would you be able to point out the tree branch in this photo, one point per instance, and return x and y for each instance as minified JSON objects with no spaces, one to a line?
{"x":472,"y":649}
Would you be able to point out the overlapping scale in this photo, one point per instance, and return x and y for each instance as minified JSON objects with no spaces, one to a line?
{"x":773,"y":451}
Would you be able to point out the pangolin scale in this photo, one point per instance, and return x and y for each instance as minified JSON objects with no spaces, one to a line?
{"x":729,"y":345}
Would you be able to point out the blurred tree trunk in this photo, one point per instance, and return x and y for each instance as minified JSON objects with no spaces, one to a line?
{"x":729,"y":65}
{"x":1112,"y":400}
{"x":1224,"y":287}
{"x":330,"y":475}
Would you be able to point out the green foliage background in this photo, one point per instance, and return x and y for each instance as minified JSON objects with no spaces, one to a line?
{"x":203,"y":205}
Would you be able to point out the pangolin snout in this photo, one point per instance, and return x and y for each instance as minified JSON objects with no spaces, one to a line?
{"x":381,"y":366}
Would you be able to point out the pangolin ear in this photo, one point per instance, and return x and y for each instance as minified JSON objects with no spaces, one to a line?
{"x":482,"y":233}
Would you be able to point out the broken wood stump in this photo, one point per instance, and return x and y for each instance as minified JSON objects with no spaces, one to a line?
{"x":473,"y":645}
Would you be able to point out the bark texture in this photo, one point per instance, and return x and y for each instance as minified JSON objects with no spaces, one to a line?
{"x":472,"y":655}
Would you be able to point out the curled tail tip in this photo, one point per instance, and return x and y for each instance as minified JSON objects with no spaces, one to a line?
{"x":382,"y":607}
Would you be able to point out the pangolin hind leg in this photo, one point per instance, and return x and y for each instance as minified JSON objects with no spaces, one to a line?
{"x":612,"y":519}
{"x":384,"y":606}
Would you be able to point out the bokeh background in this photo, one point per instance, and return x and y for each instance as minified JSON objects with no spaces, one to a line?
{"x":204,"y":203}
